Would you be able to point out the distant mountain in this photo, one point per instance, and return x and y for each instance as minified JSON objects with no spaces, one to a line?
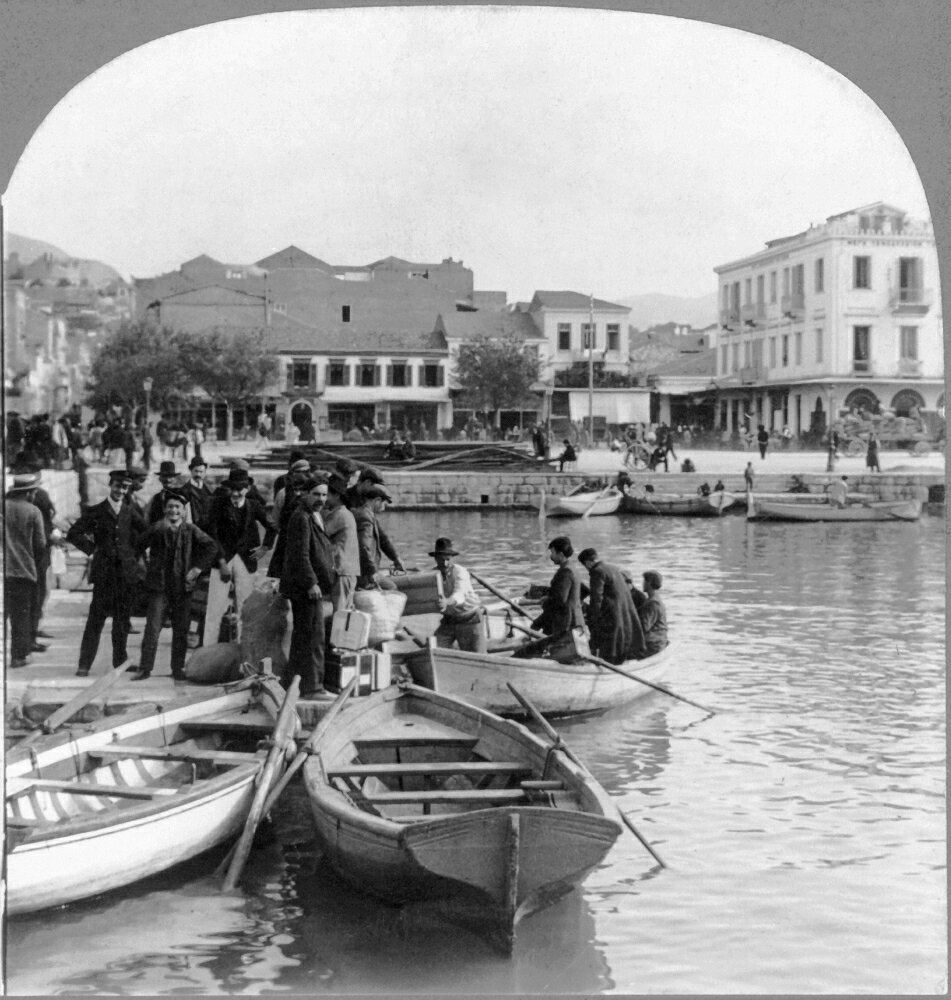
{"x":655,"y":308}
{"x":28,"y":249}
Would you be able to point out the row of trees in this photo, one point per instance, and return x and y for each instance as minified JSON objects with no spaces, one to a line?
{"x":234,"y":367}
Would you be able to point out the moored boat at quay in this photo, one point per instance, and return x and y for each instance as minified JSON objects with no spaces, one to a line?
{"x":808,"y":510}
{"x":677,"y":504}
{"x":102,"y":806}
{"x":416,"y":795}
{"x":588,"y":504}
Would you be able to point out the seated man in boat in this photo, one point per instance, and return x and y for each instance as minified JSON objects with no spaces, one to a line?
{"x":616,"y":633}
{"x":460,"y":606}
{"x":839,"y":492}
{"x":703,"y":489}
{"x":653,"y":614}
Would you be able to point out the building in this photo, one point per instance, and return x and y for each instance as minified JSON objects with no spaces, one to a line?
{"x":843,"y":316}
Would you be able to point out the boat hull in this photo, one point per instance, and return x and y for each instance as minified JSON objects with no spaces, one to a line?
{"x":488,"y":867}
{"x":593,"y":504}
{"x":678,"y":505}
{"x":882,"y":510}
{"x":556,"y":689}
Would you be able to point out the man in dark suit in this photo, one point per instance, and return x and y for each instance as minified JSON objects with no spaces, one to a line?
{"x":372,"y":539}
{"x":107,"y":532}
{"x":168,"y":477}
{"x":198,"y":493}
{"x":307,"y":577}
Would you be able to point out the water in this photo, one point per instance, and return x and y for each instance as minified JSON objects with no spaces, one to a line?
{"x":803,"y":824}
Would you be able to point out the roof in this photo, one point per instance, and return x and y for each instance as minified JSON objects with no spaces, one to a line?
{"x":287,"y":335}
{"x":572,"y":300}
{"x":293,"y":256}
{"x":704,"y":363}
{"x":469,"y":325}
{"x":876,"y":206}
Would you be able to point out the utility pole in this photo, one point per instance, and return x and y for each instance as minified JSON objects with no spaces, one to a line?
{"x":591,"y":371}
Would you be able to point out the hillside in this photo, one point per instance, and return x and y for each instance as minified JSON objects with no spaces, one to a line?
{"x":28,"y":249}
{"x":649,"y":310}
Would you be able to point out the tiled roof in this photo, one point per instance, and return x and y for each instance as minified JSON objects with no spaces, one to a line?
{"x":293,"y":256}
{"x":468,"y":325}
{"x":287,"y":335}
{"x":572,"y":300}
{"x":704,"y":363}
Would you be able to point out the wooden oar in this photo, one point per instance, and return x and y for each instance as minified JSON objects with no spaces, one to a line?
{"x":279,"y":737}
{"x":65,"y":712}
{"x":560,"y":744}
{"x":591,"y":658}
{"x":499,"y":595}
{"x":871,"y":504}
{"x":601,"y":495}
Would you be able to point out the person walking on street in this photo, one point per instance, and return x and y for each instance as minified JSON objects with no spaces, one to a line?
{"x":871,"y":453}
{"x":179,"y":553}
{"x":748,"y":477}
{"x":24,"y":550}
{"x":762,"y":440}
{"x":307,"y":576}
{"x":106,"y":532}
{"x":460,"y":606}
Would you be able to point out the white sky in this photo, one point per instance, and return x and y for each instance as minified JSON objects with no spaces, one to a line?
{"x":599,"y":151}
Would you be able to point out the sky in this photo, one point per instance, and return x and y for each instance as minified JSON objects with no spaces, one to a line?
{"x":547,"y":148}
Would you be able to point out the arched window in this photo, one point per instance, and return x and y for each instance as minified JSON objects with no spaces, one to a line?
{"x":904,"y":401}
{"x":862,"y":399}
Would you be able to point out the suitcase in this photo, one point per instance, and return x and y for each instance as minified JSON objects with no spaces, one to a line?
{"x":372,"y":667}
{"x":422,"y":590}
{"x":350,"y":630}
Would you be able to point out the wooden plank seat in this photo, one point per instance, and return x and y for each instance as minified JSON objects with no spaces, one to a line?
{"x":432,"y":739}
{"x":475,"y":768}
{"x":88,"y":788}
{"x":484,"y":796}
{"x":173,"y":753}
{"x":543,"y":785}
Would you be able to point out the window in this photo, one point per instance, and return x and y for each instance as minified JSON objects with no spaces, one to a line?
{"x":761,"y":289}
{"x":589,"y":332}
{"x":861,"y":272}
{"x":799,"y":279}
{"x":234,"y":275}
{"x":820,"y":275}
{"x":564,"y":336}
{"x":338,"y":373}
{"x":399,"y":374}
{"x":909,"y":279}
{"x":433,"y":374}
{"x":735,"y":299}
{"x":748,"y":291}
{"x":861,"y":348}
{"x":725,"y":297}
{"x":614,"y":336}
{"x":345,"y":314}
{"x":797,"y":347}
{"x":785,"y":281}
{"x":772,"y":286}
{"x":724,"y":359}
{"x":747,"y":357}
{"x":300,"y":374}
{"x":772,"y":352}
{"x":818,"y":345}
{"x":908,"y":343}
{"x":368,"y":373}
{"x":785,"y":350}
{"x":736,"y":357}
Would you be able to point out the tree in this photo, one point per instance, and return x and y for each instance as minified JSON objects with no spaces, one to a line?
{"x":497,"y":373}
{"x":232,"y":366}
{"x":134,"y":352}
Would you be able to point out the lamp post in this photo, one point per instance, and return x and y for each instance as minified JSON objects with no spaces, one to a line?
{"x":147,"y":386}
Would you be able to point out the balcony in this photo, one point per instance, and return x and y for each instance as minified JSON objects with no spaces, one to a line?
{"x":909,"y":368}
{"x":752,"y":374}
{"x":911,"y":301}
{"x":793,"y":305}
{"x":753,"y":313}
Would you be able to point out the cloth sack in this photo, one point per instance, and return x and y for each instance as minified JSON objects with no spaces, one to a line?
{"x":385,"y":607}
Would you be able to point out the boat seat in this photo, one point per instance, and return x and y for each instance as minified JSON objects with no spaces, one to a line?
{"x":433,"y":739}
{"x":543,"y":785}
{"x":88,"y":788}
{"x":173,"y":753}
{"x":435,"y":768}
{"x":484,"y":796}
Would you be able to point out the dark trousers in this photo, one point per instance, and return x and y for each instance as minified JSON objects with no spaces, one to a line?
{"x":113,"y":602}
{"x":42,"y":590}
{"x":307,"y":643}
{"x":19,"y":597}
{"x":178,"y":608}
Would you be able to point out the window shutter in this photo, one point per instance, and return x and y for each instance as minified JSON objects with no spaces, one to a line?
{"x":313,"y":377}
{"x":440,"y":375}
{"x":290,"y":376}
{"x":377,"y":374}
{"x":389,"y":375}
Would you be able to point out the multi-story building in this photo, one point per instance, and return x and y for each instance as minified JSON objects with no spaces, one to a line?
{"x":844,"y":316}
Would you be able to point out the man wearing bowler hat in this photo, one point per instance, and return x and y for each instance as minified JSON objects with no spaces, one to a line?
{"x":168,"y":477}
{"x":460,"y":606}
{"x":197,"y":492}
{"x":107,"y":532}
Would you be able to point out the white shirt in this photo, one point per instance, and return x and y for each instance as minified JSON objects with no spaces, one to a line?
{"x":461,"y":598}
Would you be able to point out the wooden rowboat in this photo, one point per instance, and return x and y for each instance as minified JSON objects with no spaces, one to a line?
{"x":556,"y":689}
{"x":416,"y":796}
{"x":102,"y":806}
{"x":872,"y":510}
{"x":592,"y":504}
{"x":678,"y":504}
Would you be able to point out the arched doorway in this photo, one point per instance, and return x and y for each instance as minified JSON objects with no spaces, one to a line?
{"x":863,"y":399}
{"x":906,"y":401}
{"x":302,"y":417}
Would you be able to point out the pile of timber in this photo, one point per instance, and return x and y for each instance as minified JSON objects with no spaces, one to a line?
{"x":459,"y":456}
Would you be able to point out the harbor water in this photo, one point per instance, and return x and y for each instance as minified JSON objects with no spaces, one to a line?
{"x":803,"y":824}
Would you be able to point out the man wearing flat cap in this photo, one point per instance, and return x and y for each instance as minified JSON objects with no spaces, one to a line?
{"x":24,"y":551}
{"x":372,"y":539}
{"x":106,"y":532}
{"x":461,"y":608}
{"x":179,"y":553}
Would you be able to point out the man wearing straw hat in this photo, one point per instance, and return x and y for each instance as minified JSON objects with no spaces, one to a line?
{"x":24,"y":552}
{"x":460,"y":606}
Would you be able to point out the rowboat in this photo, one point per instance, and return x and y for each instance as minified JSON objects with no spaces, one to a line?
{"x":591,"y":504}
{"x":556,"y":689}
{"x":871,"y":510}
{"x":419,"y":796}
{"x":105,"y":805}
{"x":678,"y":504}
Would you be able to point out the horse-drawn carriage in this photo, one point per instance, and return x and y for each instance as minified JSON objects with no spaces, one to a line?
{"x":917,"y":434}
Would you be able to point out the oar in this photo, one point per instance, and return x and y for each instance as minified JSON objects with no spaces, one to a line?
{"x":871,"y":506}
{"x":541,"y":504}
{"x":591,"y":658}
{"x":65,"y":712}
{"x":420,"y":640}
{"x":499,"y":595}
{"x":560,"y":744}
{"x":591,"y":506}
{"x":275,"y":755}
{"x":295,"y":765}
